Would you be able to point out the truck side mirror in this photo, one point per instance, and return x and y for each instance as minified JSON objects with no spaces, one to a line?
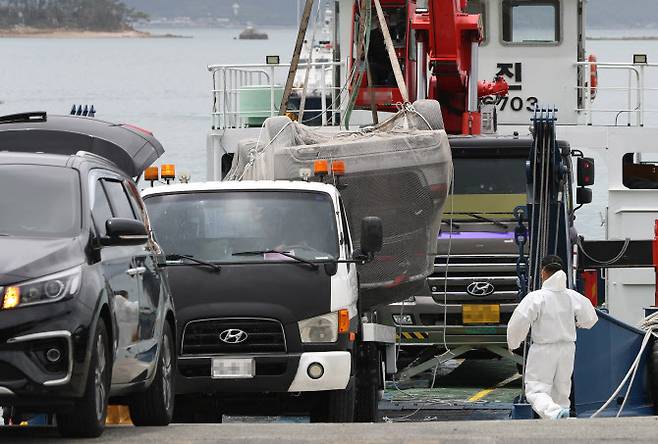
{"x":372,"y":235}
{"x":585,"y":170}
{"x":583,"y":196}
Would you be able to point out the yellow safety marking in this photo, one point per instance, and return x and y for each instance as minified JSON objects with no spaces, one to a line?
{"x":419,"y":335}
{"x":482,"y":393}
{"x":407,"y":335}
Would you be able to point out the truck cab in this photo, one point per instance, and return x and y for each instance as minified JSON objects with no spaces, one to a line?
{"x":264,"y":278}
{"x":474,"y":288}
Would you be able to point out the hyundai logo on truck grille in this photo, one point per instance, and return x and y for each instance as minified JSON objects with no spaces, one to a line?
{"x":233,"y":336}
{"x":480,"y":289}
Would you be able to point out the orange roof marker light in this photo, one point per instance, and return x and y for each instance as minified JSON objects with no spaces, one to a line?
{"x":168,"y":172}
{"x":338,"y":167}
{"x":152,"y":174}
{"x":321,"y":167}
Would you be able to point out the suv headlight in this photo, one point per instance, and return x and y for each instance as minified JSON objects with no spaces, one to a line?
{"x":323,"y":328}
{"x":51,"y":288}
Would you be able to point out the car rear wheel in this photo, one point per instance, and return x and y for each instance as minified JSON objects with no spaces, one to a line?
{"x":155,"y":406}
{"x":87,"y":420}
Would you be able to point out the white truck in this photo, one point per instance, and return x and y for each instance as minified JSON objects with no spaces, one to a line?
{"x":265,"y":283}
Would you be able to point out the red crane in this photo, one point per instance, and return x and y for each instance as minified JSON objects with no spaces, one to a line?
{"x":440,"y":41}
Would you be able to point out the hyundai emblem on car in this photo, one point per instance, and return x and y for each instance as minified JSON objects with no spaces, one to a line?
{"x":233,"y":336}
{"x":480,"y":289}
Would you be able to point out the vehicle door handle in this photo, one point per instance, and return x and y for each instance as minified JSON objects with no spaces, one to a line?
{"x":136,"y":271}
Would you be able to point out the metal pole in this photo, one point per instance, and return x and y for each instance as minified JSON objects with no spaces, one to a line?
{"x":473,"y":79}
{"x":323,"y":92}
{"x":301,"y":32}
{"x":421,"y":71}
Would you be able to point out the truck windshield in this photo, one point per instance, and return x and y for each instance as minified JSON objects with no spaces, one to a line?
{"x":216,"y":225}
{"x":39,"y":201}
{"x":487,"y":187}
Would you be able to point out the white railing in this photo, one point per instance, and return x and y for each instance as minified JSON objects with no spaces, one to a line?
{"x":244,"y":95}
{"x":622,"y":95}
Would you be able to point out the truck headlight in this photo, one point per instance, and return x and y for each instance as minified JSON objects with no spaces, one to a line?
{"x":45,"y":289}
{"x":323,"y":328}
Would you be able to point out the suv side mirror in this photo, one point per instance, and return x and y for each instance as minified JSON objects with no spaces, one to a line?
{"x":372,"y":235}
{"x":585,"y":171}
{"x":583,"y":196}
{"x":124,"y":232}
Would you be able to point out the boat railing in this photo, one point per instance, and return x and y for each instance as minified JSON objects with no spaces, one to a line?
{"x":621,"y":97}
{"x":245,"y":95}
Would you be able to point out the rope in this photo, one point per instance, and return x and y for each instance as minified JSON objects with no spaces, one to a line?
{"x":621,"y":254}
{"x":650,"y":325}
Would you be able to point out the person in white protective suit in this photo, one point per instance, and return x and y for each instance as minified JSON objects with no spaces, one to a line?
{"x":553,"y":313}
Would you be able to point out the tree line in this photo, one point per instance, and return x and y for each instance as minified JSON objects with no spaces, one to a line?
{"x":91,"y":15}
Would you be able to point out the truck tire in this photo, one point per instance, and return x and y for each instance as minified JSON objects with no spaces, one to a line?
{"x":155,"y":406}
{"x":87,"y":420}
{"x":368,"y":378}
{"x":334,"y":406}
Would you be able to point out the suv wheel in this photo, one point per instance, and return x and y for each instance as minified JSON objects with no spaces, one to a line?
{"x":87,"y":420}
{"x":155,"y":406}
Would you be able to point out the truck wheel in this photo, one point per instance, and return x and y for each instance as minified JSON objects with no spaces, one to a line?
{"x":368,"y":384}
{"x":87,"y":420}
{"x":334,"y":406}
{"x":155,"y":406}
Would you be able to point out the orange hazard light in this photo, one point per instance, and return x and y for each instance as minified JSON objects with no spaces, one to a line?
{"x":320,"y":167}
{"x":338,"y":167}
{"x":152,"y":173}
{"x":168,"y":171}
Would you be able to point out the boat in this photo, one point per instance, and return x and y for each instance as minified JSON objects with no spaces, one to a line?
{"x":250,"y":33}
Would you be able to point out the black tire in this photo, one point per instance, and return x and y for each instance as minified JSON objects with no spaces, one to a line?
{"x":87,"y":420}
{"x":368,"y":384}
{"x":334,"y":406}
{"x":155,"y":406}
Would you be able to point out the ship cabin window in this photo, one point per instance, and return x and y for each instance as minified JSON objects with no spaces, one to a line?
{"x":380,"y":64}
{"x":478,"y":7}
{"x":531,"y":21}
{"x":640,"y":171}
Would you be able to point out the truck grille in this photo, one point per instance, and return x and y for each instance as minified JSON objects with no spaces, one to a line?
{"x":263,"y":336}
{"x":463,"y":270}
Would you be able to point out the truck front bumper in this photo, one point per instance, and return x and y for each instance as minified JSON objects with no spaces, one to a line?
{"x":275,"y":373}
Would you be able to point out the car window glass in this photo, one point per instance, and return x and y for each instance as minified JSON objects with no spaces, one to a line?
{"x":346,"y":229}
{"x":100,"y":208}
{"x":135,"y":201}
{"x":119,"y":200}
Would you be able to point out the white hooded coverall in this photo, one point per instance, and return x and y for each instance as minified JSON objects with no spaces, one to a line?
{"x":553,"y":312}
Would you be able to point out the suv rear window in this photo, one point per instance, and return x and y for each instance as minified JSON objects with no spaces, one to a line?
{"x":39,"y":200}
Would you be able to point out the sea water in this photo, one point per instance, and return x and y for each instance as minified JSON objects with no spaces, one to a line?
{"x":163,"y":85}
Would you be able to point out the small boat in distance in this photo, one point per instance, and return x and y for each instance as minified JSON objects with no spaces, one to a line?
{"x":249,"y":33}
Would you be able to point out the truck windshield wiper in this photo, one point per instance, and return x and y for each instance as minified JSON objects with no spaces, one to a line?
{"x":486,"y":219}
{"x":195,"y":260}
{"x":282,"y":253}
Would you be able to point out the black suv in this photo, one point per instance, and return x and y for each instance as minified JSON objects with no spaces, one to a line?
{"x":86,"y":316}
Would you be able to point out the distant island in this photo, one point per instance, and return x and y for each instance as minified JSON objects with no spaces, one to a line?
{"x":75,"y":17}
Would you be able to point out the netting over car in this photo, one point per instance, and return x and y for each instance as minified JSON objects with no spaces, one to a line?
{"x":399,"y":170}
